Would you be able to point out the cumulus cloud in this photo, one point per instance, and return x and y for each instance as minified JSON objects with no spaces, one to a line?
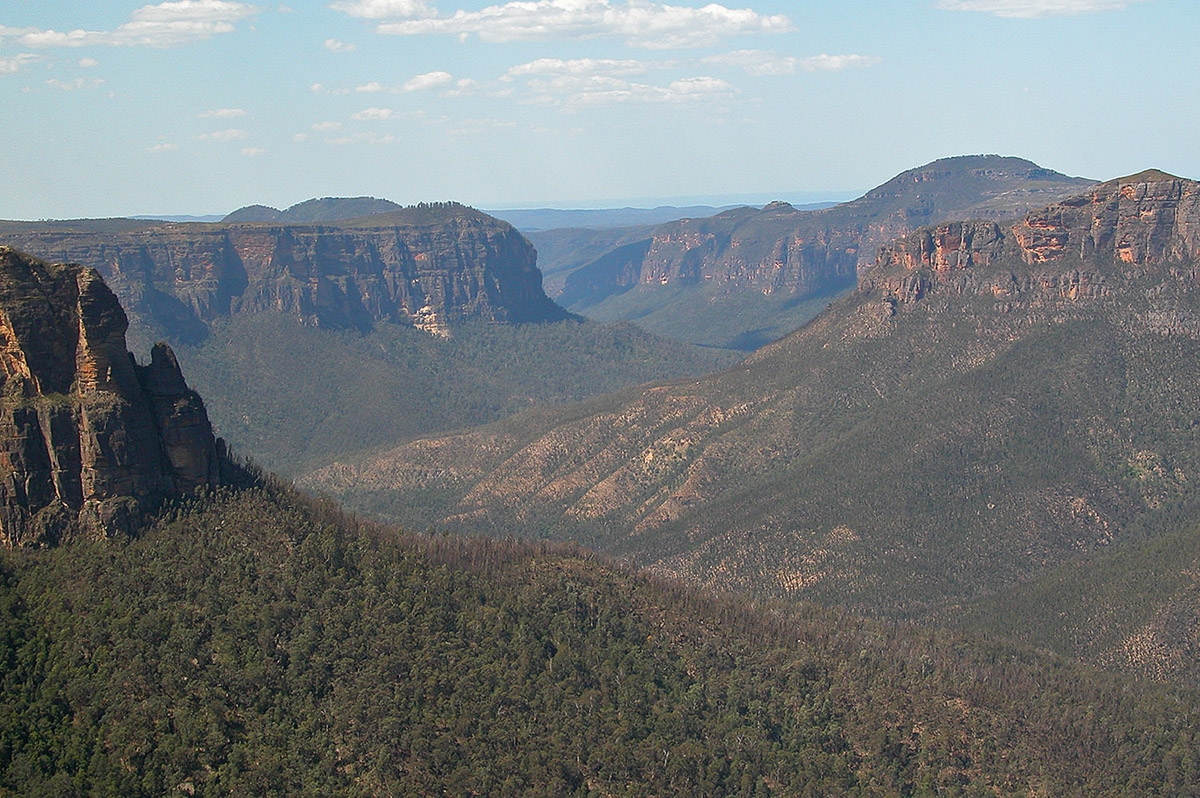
{"x":222,"y":113}
{"x":368,"y":114}
{"x":338,"y":46}
{"x":327,"y":126}
{"x":15,"y":62}
{"x":384,"y":9}
{"x":165,"y":146}
{"x":765,"y":62}
{"x":251,"y":152}
{"x":162,"y":25}
{"x":429,"y":80}
{"x":88,"y":63}
{"x":231,"y":134}
{"x":639,"y":22}
{"x":1036,"y":9}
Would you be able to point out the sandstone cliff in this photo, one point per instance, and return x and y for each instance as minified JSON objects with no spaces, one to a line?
{"x":782,"y":250}
{"x":89,"y":439}
{"x":1072,"y":248}
{"x":427,"y":267}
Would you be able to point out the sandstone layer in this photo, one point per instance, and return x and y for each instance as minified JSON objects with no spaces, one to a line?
{"x":428,"y":266}
{"x":89,"y":439}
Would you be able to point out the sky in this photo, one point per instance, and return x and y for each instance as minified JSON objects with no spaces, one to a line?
{"x":204,"y":106}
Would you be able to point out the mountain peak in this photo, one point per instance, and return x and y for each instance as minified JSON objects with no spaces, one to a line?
{"x":1149,"y":176}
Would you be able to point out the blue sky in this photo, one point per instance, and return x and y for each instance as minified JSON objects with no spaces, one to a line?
{"x":202,"y":106}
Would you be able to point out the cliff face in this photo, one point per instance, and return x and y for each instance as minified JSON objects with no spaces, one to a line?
{"x":782,"y":251}
{"x":427,"y":270}
{"x":1066,"y":250}
{"x":88,"y":438}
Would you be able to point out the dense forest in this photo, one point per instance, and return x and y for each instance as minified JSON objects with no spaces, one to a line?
{"x":254,"y":642}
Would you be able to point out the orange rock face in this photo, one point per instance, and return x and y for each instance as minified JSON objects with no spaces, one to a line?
{"x":88,"y":438}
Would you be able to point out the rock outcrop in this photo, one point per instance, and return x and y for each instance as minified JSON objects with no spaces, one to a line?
{"x":89,"y":439}
{"x":428,"y":266}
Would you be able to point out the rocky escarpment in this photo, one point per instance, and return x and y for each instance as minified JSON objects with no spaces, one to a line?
{"x":89,"y":439}
{"x":1069,"y":249}
{"x":427,"y":266}
{"x":782,"y":250}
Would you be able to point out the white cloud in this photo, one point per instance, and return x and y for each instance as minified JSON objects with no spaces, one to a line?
{"x":373,"y":113}
{"x":165,"y":146}
{"x":252,"y":152}
{"x":572,"y":91}
{"x":163,"y":25}
{"x":222,"y":113}
{"x":316,"y":88}
{"x":765,"y":62}
{"x":384,"y":9}
{"x":369,"y":88}
{"x":327,"y":126}
{"x":365,"y":138}
{"x":579,"y":66}
{"x":298,"y":137}
{"x":14,"y":63}
{"x":88,"y":63}
{"x":639,"y":22}
{"x":1036,"y":9}
{"x":232,"y":134}
{"x":429,"y":80}
{"x":74,"y":85}
{"x":337,"y":46}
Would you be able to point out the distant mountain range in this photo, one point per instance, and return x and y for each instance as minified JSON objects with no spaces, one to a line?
{"x":992,"y":402}
{"x":534,"y":220}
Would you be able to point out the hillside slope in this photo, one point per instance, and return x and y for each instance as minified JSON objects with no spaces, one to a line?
{"x":253,"y":645}
{"x":990,"y":403}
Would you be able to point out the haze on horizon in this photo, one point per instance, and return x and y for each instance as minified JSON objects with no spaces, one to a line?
{"x":203,"y":106}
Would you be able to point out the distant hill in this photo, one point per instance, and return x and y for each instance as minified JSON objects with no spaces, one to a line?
{"x":529,"y":220}
{"x":991,"y":403}
{"x":314,"y":211}
{"x":532,"y":220}
{"x":748,"y":276}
